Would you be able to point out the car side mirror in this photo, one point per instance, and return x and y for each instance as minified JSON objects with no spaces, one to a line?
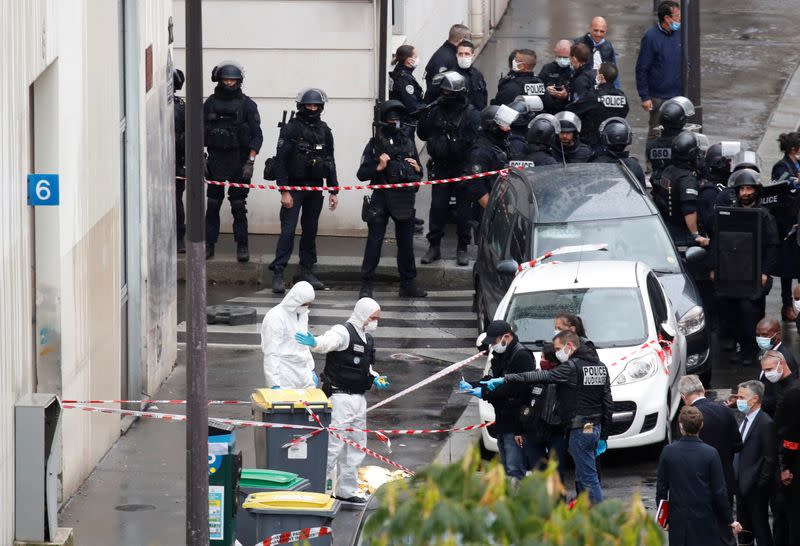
{"x":666,"y":331}
{"x":507,"y":267}
{"x":695,"y":254}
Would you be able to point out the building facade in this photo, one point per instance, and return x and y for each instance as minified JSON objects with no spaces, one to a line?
{"x":88,"y":286}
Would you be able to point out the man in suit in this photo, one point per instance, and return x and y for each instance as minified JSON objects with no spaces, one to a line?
{"x":756,"y":464}
{"x":720,"y":430}
{"x":690,"y":478}
{"x":777,"y":379}
{"x":768,"y":337}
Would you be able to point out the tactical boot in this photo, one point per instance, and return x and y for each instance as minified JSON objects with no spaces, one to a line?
{"x":181,"y":246}
{"x":277,"y":282}
{"x":409,"y":289}
{"x":209,"y":251}
{"x":433,"y":254}
{"x":242,"y":252}
{"x":366,"y":290}
{"x":307,"y":275}
{"x":461,"y":257}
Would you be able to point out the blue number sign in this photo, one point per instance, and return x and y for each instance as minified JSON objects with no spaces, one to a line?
{"x":43,"y":190}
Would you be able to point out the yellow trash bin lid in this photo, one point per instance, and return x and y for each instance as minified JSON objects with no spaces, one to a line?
{"x":269,"y":399}
{"x":292,"y":501}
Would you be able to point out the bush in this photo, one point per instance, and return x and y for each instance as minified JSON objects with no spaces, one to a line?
{"x":472,"y":503}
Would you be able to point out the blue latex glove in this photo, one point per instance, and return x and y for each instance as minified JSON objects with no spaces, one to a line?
{"x":492,"y":384}
{"x":381,"y":383}
{"x":602,"y":445}
{"x":275,"y":386}
{"x":464,"y":386}
{"x":476,"y":392}
{"x":305,"y":339}
{"x":316,"y":379}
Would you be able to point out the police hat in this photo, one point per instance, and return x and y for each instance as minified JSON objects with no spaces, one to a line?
{"x":497,"y":328}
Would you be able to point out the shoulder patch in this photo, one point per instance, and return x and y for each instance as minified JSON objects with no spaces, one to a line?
{"x":442,"y":69}
{"x":410,"y":89}
{"x":691,"y":191}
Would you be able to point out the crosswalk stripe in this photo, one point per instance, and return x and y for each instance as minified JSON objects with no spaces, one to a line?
{"x":348,"y":304}
{"x":317,"y":312}
{"x":377,"y":295}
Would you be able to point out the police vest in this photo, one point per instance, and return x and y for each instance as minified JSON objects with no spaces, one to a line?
{"x":399,"y":201}
{"x":226,"y":128}
{"x":659,"y":152}
{"x":526,"y":84}
{"x":590,"y":381}
{"x":613,"y":101}
{"x":450,"y":139}
{"x":349,"y":370}
{"x":311,"y":151}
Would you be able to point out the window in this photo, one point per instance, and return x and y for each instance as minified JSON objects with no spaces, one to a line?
{"x":657,"y":301}
{"x":518,"y":249}
{"x":501,"y":225}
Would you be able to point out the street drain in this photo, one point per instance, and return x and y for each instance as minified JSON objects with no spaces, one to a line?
{"x":134,"y":507}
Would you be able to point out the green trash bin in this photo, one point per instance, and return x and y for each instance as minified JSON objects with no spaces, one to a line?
{"x":259,"y":480}
{"x":309,"y":458}
{"x":268,"y":514}
{"x":224,"y":467}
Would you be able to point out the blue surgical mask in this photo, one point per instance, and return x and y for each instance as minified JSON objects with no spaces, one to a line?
{"x":763,"y":343}
{"x":741,"y":405}
{"x":674,"y":26}
{"x":563,"y":62}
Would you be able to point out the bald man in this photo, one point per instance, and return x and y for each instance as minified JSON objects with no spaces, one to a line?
{"x":768,"y":338}
{"x":556,"y":77}
{"x":601,"y":48}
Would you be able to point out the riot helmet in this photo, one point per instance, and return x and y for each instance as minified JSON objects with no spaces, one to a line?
{"x":543,"y":129}
{"x":689,"y":148}
{"x":616,"y":134}
{"x":570,"y":129}
{"x":744,"y":178}
{"x":498,"y":118}
{"x":227,"y":70}
{"x":718,"y":161}
{"x":526,"y":105}
{"x":391,"y":112}
{"x":452,"y":83}
{"x":674,"y":113}
{"x":746,"y":159}
{"x":177,"y":79}
{"x":311,"y":96}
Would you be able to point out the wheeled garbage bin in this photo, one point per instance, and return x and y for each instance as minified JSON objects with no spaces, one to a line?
{"x":260,"y":480}
{"x":224,"y":467}
{"x":309,"y":458}
{"x":272,"y":513}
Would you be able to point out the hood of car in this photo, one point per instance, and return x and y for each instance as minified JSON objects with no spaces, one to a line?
{"x":681,"y":291}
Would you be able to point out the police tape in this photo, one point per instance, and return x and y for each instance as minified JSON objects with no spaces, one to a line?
{"x":170,"y":402}
{"x":296,"y":536}
{"x":452,"y":180}
{"x":560,"y":251}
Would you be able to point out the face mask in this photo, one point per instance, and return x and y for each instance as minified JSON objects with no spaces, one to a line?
{"x":414,"y":62}
{"x":741,"y":405}
{"x":514,"y":65}
{"x":562,"y":355}
{"x":464,"y":62}
{"x":371,"y":326}
{"x":499,"y":348}
{"x":763,"y":343}
{"x":563,"y":62}
{"x":796,"y":305}
{"x":673,"y":26}
{"x":773,"y":376}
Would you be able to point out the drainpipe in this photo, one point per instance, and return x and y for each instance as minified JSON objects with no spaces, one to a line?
{"x":476,"y":17}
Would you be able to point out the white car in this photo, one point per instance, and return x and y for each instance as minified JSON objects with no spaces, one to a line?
{"x":623,"y":307}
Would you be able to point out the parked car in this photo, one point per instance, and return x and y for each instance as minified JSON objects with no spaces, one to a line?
{"x":623,"y":307}
{"x":536,"y":210}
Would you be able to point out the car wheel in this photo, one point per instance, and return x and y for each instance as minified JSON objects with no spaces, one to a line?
{"x":486,"y":454}
{"x":482,"y":320}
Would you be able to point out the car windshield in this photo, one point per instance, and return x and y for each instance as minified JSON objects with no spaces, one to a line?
{"x":641,"y":238}
{"x":613,"y":317}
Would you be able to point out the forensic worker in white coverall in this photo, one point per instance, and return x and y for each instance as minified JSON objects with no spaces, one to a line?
{"x":348,"y":374}
{"x":288,"y":364}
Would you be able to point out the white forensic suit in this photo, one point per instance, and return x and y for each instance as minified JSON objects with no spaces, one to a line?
{"x":349,"y":409}
{"x":287,"y":363}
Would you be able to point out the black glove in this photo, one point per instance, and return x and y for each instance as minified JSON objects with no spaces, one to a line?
{"x":247,"y":170}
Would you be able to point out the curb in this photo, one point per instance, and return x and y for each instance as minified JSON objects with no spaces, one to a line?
{"x":784,"y":118}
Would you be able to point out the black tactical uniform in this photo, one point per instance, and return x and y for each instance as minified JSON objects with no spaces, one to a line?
{"x":304,"y":157}
{"x":518,"y":83}
{"x":597,"y":106}
{"x":397,"y":204}
{"x":477,"y":93}
{"x":786,"y":526}
{"x":232,"y":132}
{"x":615,"y":136}
{"x":542,"y":132}
{"x":673,"y":115}
{"x":577,"y":152}
{"x":527,"y":106}
{"x":784,"y":205}
{"x":559,"y":77}
{"x":443,"y":60}
{"x":180,"y":159}
{"x":488,"y":153}
{"x":403,"y":87}
{"x":449,"y":128}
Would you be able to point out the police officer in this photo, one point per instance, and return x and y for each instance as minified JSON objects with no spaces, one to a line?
{"x":584,"y":78}
{"x":180,"y":158}
{"x":615,"y":136}
{"x":232,"y":138}
{"x":390,"y":158}
{"x":714,"y":180}
{"x":444,"y":58}
{"x":588,"y":408}
{"x":403,"y":86}
{"x":556,"y":76}
{"x":785,"y":210}
{"x":543,"y":130}
{"x":743,"y":159}
{"x":569,"y":148}
{"x":349,"y":350}
{"x":304,"y":158}
{"x":604,"y":102}
{"x":476,"y":84}
{"x":787,"y":501}
{"x":527,"y":106}
{"x":675,"y":192}
{"x":745,"y":312}
{"x":450,"y":127}
{"x":673,"y":115}
{"x":521,"y":80}
{"x":489,"y":153}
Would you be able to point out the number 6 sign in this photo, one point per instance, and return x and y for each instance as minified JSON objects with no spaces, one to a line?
{"x":43,"y":190}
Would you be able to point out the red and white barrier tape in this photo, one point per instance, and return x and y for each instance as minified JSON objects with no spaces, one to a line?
{"x":173,"y":402}
{"x":464,"y":178}
{"x":296,"y":536}
{"x":561,"y":250}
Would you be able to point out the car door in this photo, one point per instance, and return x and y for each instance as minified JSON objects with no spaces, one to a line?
{"x":661,"y":313}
